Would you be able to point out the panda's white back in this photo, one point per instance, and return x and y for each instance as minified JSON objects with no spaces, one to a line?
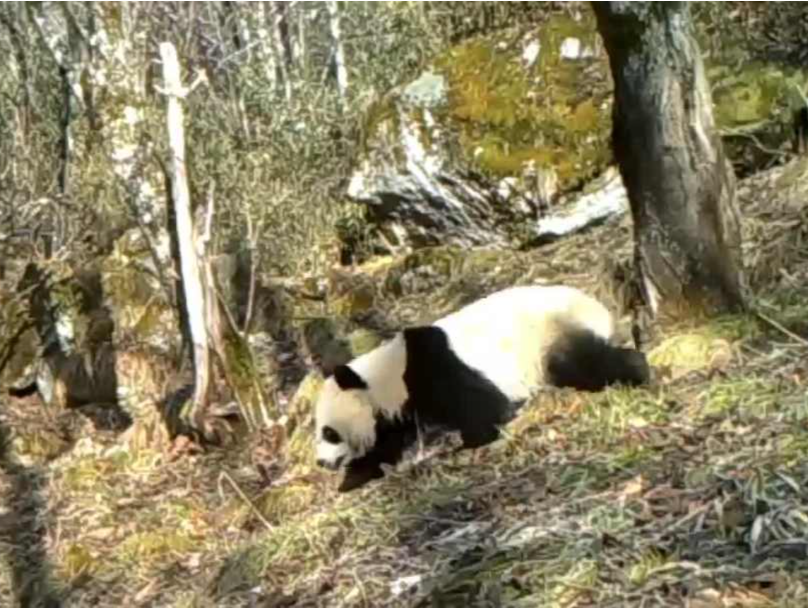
{"x":506,"y":335}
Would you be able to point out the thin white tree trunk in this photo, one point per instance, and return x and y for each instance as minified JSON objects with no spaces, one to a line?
{"x":266,"y":48}
{"x":300,"y":43}
{"x":339,"y":50}
{"x":186,"y":236}
{"x":280,"y":52}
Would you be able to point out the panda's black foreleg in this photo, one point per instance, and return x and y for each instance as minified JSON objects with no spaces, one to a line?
{"x":478,"y":436}
{"x":359,"y":473}
{"x":392,"y":438}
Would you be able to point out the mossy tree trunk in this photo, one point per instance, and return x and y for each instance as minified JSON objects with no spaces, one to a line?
{"x":680,"y":185}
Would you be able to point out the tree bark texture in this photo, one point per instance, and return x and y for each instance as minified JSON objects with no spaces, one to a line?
{"x":681,"y":187}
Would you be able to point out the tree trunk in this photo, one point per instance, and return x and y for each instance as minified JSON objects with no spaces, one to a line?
{"x":280,"y":34}
{"x":187,"y":237}
{"x":300,"y":45}
{"x":680,"y":185}
{"x":340,"y":69}
{"x":801,"y":130}
{"x":266,"y":49}
{"x":284,"y":33}
{"x":208,"y":320}
{"x":233,"y":351}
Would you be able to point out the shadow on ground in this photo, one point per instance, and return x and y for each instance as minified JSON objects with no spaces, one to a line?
{"x":22,"y":531}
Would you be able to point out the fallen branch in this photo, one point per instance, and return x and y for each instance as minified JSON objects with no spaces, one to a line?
{"x":782,"y":329}
{"x":247,"y":500}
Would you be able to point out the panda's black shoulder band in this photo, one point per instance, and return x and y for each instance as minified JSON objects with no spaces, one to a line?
{"x":348,"y":379}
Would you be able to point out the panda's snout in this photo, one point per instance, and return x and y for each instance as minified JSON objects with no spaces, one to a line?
{"x":331,"y":465}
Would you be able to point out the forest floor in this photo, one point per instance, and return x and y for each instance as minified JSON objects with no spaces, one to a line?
{"x":693,"y":492}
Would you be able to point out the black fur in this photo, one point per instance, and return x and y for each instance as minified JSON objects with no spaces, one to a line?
{"x":24,"y":391}
{"x":584,"y":361}
{"x":331,"y":436}
{"x":347,"y":379}
{"x":393,"y":437}
{"x":801,"y":130}
{"x":443,"y":392}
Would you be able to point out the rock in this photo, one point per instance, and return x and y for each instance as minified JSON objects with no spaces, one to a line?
{"x":419,"y":196}
{"x":329,"y":342}
{"x":489,"y":144}
{"x":480,"y":145}
{"x":605,"y":198}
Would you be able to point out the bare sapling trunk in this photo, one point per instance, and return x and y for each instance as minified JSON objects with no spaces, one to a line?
{"x":186,"y":236}
{"x":211,"y":328}
{"x":340,"y":66}
{"x":282,"y":48}
{"x":680,"y":185}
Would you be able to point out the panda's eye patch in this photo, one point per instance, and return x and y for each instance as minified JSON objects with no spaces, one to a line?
{"x":331,"y":436}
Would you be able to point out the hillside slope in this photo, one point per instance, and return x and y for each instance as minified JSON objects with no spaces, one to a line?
{"x":692,"y":492}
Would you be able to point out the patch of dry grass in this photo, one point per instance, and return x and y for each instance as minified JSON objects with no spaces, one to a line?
{"x":692,"y":492}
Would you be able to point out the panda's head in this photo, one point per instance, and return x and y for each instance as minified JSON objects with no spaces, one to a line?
{"x":344,"y":419}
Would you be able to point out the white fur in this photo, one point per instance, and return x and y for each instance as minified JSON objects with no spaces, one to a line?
{"x":383,"y":371}
{"x":352,"y":413}
{"x":504,"y":336}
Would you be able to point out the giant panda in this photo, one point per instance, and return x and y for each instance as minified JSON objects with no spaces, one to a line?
{"x":467,"y":372}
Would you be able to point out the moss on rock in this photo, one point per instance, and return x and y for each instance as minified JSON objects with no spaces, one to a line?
{"x":554,"y":112}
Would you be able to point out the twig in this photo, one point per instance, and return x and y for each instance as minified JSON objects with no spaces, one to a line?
{"x":206,"y":236}
{"x":251,"y":240}
{"x":782,"y":329}
{"x":692,"y":515}
{"x":246,"y":499}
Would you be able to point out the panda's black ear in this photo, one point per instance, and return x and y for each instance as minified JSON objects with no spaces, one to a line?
{"x":348,"y":379}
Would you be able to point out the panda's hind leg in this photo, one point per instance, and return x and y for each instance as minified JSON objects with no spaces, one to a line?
{"x":584,"y":361}
{"x":476,"y":439}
